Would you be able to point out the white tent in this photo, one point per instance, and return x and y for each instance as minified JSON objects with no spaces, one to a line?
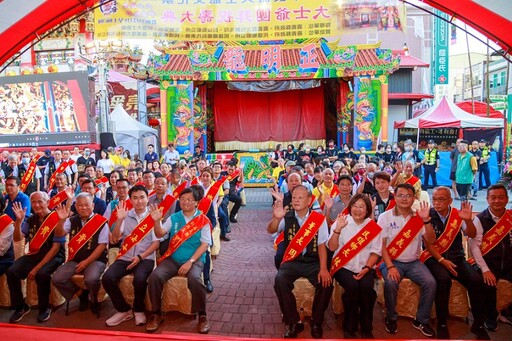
{"x":131,"y":134}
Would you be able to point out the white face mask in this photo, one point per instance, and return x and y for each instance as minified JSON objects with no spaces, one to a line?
{"x":345,"y":149}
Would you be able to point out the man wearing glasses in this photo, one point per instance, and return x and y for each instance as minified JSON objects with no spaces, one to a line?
{"x":446,"y":260}
{"x":403,"y":231}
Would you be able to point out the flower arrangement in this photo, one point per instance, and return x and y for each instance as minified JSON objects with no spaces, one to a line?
{"x":506,"y":177}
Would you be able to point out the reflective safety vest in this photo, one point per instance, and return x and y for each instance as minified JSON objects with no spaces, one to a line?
{"x":485,"y":152}
{"x":431,"y":157}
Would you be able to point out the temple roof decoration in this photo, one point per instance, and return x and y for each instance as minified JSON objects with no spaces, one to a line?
{"x":314,"y":58}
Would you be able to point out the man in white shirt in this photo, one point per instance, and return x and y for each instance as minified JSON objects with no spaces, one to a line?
{"x":402,"y":260}
{"x":171,"y":155}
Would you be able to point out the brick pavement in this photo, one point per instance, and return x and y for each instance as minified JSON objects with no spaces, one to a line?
{"x":243,"y":302}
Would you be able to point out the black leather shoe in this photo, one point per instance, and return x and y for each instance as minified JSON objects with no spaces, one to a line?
{"x":292,"y":331}
{"x":209,"y":286}
{"x":442,"y":332}
{"x":95,"y":308}
{"x":84,"y":300}
{"x":316,"y":330}
{"x":233,"y":220}
{"x":225,"y":238}
{"x":349,"y":335}
{"x":367,"y":335}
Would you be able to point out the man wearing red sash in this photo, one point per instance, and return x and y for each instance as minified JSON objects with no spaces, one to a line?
{"x":87,"y":253}
{"x":405,"y":175}
{"x":138,"y":257}
{"x":189,"y":232}
{"x":446,"y":260}
{"x":161,"y":191}
{"x":494,"y":258}
{"x":89,"y":186}
{"x":61,"y":183}
{"x":34,"y":174}
{"x":55,"y":166}
{"x":383,"y":200}
{"x":233,"y":195}
{"x":334,"y":206}
{"x":405,"y":229}
{"x":45,"y":256}
{"x":327,"y":189}
{"x":309,"y":261}
{"x":356,"y":275}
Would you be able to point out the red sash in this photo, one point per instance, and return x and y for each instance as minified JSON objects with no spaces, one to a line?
{"x":86,"y":232}
{"x":44,"y":231}
{"x":62,"y":167}
{"x":445,"y":240}
{"x":144,"y":227}
{"x":195,"y":181}
{"x":58,"y":199}
{"x":177,"y":191}
{"x":234,"y":175}
{"x":279,"y":239}
{"x":5,"y":221}
{"x":187,"y":231}
{"x":303,"y":236}
{"x":29,"y":174}
{"x":140,"y":183}
{"x":214,"y":189}
{"x":102,"y":180}
{"x":113,"y":216}
{"x":334,"y":192}
{"x":355,"y":245}
{"x":405,"y":237}
{"x":412,"y":180}
{"x":204,"y":205}
{"x":496,"y":234}
{"x":391,"y":204}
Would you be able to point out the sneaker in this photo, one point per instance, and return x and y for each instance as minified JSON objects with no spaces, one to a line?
{"x":119,"y":318}
{"x":391,"y":326}
{"x":154,"y":323}
{"x":424,"y":328}
{"x":44,"y":315}
{"x":18,"y":315}
{"x":140,"y":318}
{"x":491,"y":325}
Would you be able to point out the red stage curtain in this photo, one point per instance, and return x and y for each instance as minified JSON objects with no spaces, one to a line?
{"x":293,"y":115}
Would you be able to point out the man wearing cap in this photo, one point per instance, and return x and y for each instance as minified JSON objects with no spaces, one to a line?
{"x":430,"y":164}
{"x":484,"y":164}
{"x":465,"y":171}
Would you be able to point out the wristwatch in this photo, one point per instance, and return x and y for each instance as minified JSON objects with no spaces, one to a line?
{"x":192,"y":260}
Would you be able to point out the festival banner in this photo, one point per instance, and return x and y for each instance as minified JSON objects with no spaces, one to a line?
{"x":364,"y":15}
{"x":220,"y":20}
{"x":257,"y":170}
{"x":125,"y":93}
{"x":441,"y":45}
{"x":367,"y":123}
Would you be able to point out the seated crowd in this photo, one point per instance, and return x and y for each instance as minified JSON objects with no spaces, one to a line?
{"x":157,"y":218}
{"x":335,"y":219}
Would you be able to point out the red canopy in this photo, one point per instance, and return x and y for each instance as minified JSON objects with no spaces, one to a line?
{"x":445,"y":114}
{"x":480,"y":109}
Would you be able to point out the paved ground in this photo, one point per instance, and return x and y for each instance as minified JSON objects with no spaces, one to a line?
{"x":243,"y":302}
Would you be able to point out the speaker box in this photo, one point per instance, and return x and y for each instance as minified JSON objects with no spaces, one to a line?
{"x":107,"y":140}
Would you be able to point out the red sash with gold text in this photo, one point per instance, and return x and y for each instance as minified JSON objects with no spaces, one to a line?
{"x":355,"y":245}
{"x":60,"y":169}
{"x":44,"y":231}
{"x":5,"y":221}
{"x":405,"y":237}
{"x":195,"y":181}
{"x":86,"y":232}
{"x":445,"y":240}
{"x":214,"y":189}
{"x":27,"y":178}
{"x":495,"y":235}
{"x":58,"y":199}
{"x":302,"y":238}
{"x":177,"y":191}
{"x":187,"y":231}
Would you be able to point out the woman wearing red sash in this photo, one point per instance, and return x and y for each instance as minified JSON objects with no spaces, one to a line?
{"x":357,"y":275}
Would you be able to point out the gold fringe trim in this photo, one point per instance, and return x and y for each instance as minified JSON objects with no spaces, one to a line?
{"x":263,"y":146}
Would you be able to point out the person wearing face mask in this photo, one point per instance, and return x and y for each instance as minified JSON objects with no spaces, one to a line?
{"x":389,"y":155}
{"x":363,"y":157}
{"x":411,"y":154}
{"x":290,"y":154}
{"x":367,"y":186}
{"x":332,"y":151}
{"x":34,"y":184}
{"x":379,"y":154}
{"x":346,"y":155}
{"x":126,"y":159}
{"x":85,"y":160}
{"x":305,"y":155}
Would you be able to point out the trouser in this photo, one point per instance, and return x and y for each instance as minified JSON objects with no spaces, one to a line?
{"x":167,"y":270}
{"x":475,"y":186}
{"x":236,"y":200}
{"x":20,"y":270}
{"x":490,"y":291}
{"x":288,"y":273}
{"x":486,"y":173}
{"x":113,"y":275}
{"x":358,"y":300}
{"x":207,"y":266}
{"x":6,"y":261}
{"x":62,"y":279}
{"x":463,"y":190}
{"x":429,"y":171}
{"x":223,"y":217}
{"x":417,"y":272}
{"x":468,"y":277}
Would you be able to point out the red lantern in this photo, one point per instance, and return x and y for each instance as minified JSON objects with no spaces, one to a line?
{"x":153,"y":122}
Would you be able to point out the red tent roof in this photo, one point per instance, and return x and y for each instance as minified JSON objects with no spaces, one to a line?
{"x":445,"y":114}
{"x":408,"y":61}
{"x":480,"y":109}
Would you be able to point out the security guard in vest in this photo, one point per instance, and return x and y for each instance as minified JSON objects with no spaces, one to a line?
{"x":484,"y":164}
{"x":430,"y":164}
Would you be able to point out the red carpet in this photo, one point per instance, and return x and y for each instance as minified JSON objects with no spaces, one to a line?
{"x":29,"y":333}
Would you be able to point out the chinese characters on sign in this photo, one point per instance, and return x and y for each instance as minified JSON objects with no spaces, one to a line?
{"x":216,"y":20}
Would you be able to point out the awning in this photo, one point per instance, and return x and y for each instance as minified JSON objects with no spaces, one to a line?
{"x":409,"y":96}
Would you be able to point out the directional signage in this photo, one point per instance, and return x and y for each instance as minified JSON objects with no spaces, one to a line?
{"x":498,"y":98}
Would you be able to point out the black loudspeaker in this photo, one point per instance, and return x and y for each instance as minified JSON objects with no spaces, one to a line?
{"x":107,"y":140}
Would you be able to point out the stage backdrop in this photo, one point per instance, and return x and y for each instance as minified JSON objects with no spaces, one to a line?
{"x":247,"y":120}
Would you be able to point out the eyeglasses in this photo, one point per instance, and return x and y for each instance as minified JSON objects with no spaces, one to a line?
{"x":440,"y":199}
{"x":404,"y":196}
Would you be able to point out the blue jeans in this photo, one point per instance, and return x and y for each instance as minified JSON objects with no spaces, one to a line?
{"x":417,"y":272}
